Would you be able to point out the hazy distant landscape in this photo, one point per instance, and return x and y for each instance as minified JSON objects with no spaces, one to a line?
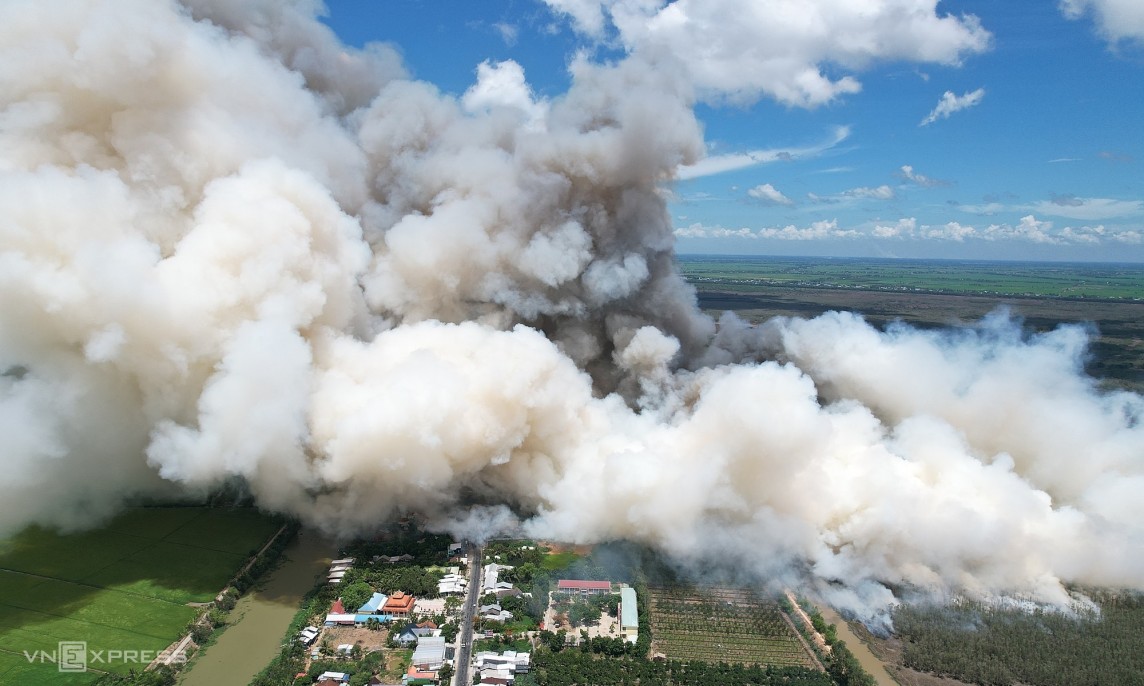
{"x":932,"y":293}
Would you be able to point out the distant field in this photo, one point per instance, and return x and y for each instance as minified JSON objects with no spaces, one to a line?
{"x":1117,"y":352}
{"x":727,"y":625}
{"x":1022,"y":279}
{"x":554,"y":562}
{"x":120,"y":587}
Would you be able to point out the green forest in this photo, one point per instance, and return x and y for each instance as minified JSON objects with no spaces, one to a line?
{"x":996,"y":647}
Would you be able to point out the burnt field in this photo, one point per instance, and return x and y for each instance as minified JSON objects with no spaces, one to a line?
{"x":1117,"y":349}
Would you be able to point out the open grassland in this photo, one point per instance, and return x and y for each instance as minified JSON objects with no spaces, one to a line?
{"x":555,"y":562}
{"x":1117,"y":348}
{"x":722,"y":625}
{"x":124,"y":586}
{"x":1022,"y":279}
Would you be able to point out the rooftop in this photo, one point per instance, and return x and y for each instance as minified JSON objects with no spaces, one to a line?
{"x":577,"y":584}
{"x":629,"y":614}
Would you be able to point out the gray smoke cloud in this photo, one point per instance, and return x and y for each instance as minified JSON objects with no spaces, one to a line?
{"x":233,"y":249}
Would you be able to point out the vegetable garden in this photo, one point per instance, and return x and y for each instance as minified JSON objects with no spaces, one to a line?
{"x":722,"y":625}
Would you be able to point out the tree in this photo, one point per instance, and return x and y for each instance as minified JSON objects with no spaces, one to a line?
{"x":355,"y":595}
{"x":445,"y":673}
{"x":452,"y":604}
{"x":200,"y":632}
{"x":449,"y":631}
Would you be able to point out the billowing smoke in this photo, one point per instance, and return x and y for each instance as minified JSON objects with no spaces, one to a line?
{"x":234,"y":250}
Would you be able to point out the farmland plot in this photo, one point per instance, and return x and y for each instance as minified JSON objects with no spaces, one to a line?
{"x":722,"y":624}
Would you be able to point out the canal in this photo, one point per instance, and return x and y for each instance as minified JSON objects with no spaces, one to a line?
{"x":861,"y":651}
{"x":259,"y":621}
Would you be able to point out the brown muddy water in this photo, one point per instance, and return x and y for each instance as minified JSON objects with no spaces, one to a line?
{"x":258,"y":623}
{"x":869,"y":662}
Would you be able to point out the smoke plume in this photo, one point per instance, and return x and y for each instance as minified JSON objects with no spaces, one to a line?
{"x":233,"y":249}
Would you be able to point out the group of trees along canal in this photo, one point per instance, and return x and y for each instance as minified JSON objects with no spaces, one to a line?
{"x":996,"y":647}
{"x":576,"y":668}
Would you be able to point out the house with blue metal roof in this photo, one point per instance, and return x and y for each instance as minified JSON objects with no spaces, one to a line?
{"x":373,"y":604}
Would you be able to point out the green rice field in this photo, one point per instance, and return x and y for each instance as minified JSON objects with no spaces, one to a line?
{"x":122,"y":587}
{"x":1107,"y":298}
{"x":1021,"y":279}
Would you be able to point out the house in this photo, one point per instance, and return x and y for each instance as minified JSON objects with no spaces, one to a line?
{"x":392,"y":559}
{"x":454,"y":549}
{"x":372,"y":605}
{"x":338,"y":569}
{"x":308,"y":635}
{"x":490,"y":583}
{"x":338,"y":615}
{"x":451,"y":588}
{"x":407,"y":636}
{"x":429,"y":654}
{"x":412,"y":633}
{"x":584,"y":588}
{"x":494,"y":613}
{"x":452,"y":583}
{"x":335,"y":677}
{"x":501,"y":668}
{"x":400,"y":604}
{"x":518,"y":662}
{"x":419,"y":676}
{"x":629,"y":615}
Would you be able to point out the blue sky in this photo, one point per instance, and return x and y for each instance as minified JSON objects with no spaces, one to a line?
{"x":1036,"y":154}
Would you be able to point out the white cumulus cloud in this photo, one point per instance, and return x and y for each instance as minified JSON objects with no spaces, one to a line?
{"x":1116,"y":20}
{"x":769,"y":195}
{"x":798,"y":53}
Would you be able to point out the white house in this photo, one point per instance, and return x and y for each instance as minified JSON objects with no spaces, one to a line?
{"x":490,"y":583}
{"x":518,"y":663}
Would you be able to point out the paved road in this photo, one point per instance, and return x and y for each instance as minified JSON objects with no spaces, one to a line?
{"x":461,"y":659}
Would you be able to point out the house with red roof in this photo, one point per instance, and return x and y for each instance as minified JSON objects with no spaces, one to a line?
{"x":582,"y":587}
{"x":400,"y":604}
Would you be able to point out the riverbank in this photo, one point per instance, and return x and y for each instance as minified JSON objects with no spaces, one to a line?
{"x":858,"y":648}
{"x":259,"y":620}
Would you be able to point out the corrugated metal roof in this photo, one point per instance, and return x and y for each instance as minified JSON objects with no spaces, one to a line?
{"x":629,"y":611}
{"x":373,"y":603}
{"x":564,"y":584}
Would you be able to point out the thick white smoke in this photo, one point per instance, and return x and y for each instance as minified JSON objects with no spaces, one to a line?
{"x":233,"y":249}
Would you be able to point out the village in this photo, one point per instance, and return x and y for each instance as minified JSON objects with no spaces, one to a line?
{"x":458,"y":617}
